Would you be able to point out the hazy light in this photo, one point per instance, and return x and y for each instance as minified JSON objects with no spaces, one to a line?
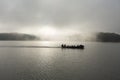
{"x":48,"y":31}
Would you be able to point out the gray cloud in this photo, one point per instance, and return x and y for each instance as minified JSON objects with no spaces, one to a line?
{"x":87,"y":15}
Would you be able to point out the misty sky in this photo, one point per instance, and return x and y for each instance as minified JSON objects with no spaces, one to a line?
{"x":81,"y":15}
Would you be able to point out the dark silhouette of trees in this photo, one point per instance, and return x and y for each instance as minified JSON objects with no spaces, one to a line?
{"x":108,"y":37}
{"x":17,"y":36}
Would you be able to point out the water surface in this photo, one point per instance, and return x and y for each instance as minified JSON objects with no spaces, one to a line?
{"x":98,"y":61}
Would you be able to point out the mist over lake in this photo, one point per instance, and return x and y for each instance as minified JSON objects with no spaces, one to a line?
{"x":98,"y":61}
{"x":59,"y":39}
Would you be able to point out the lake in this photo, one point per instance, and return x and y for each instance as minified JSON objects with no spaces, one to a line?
{"x":98,"y":61}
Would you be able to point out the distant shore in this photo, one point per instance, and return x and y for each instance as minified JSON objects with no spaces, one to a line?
{"x":97,"y":37}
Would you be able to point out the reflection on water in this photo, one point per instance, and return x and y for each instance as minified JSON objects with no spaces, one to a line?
{"x":98,"y":61}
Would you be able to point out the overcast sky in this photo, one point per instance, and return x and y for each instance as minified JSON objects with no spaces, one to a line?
{"x":80,"y":15}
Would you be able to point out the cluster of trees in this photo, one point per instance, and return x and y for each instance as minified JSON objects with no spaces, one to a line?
{"x":17,"y":36}
{"x":107,"y":37}
{"x":97,"y":37}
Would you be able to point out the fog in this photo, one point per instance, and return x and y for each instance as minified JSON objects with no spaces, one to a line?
{"x":29,"y":16}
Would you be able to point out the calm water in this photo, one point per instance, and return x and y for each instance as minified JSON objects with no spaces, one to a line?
{"x":98,"y":61}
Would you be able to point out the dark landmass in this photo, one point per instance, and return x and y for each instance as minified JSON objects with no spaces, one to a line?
{"x":107,"y":37}
{"x":96,"y":37}
{"x":17,"y":36}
